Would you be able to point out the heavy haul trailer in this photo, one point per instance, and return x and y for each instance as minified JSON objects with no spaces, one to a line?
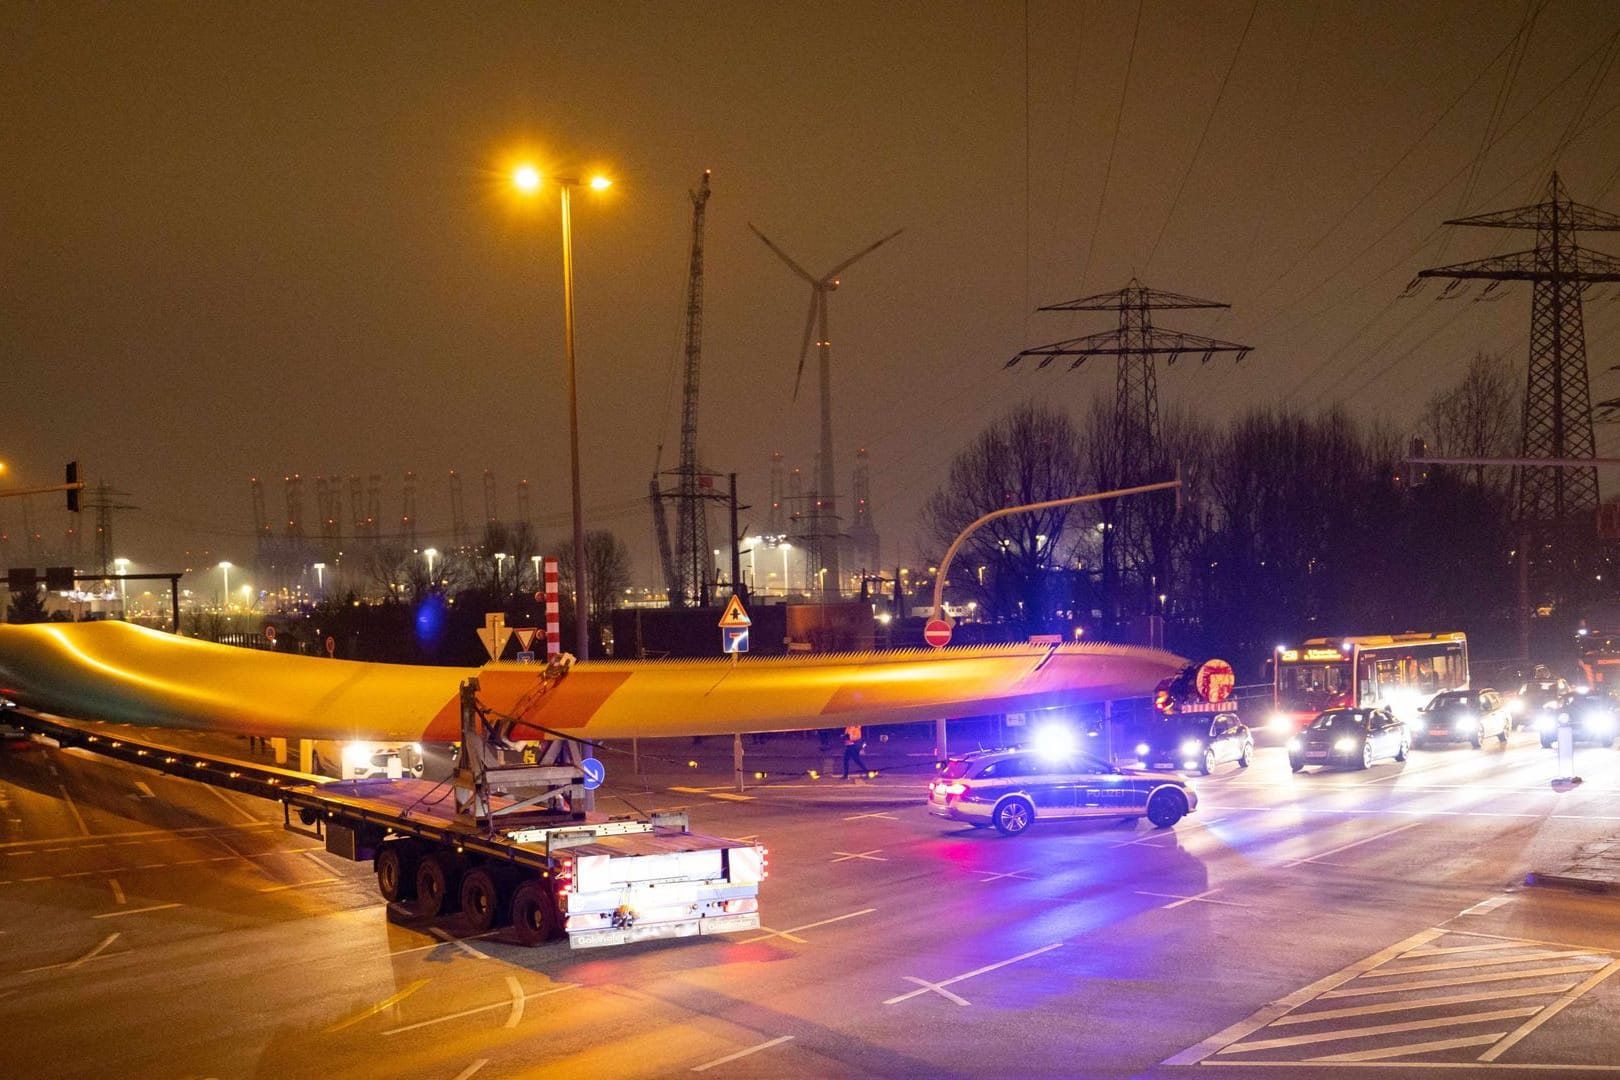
{"x":549,"y":873}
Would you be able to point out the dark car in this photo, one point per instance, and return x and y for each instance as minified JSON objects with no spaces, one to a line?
{"x":1470,"y":716}
{"x":1540,"y":696}
{"x":1012,"y":789}
{"x":1196,"y":742}
{"x":1593,"y":717}
{"x":1350,"y":737}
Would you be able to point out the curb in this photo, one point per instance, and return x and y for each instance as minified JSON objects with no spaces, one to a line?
{"x":1572,"y":882}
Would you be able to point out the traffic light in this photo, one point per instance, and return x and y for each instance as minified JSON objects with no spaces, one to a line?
{"x":73,"y":492}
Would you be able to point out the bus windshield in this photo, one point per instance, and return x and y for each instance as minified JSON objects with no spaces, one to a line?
{"x":1312,"y":687}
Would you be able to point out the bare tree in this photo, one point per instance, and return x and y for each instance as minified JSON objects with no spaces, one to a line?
{"x":1032,"y":454}
{"x":1478,"y":417}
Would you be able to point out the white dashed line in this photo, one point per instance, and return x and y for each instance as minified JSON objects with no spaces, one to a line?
{"x":778,"y":1041}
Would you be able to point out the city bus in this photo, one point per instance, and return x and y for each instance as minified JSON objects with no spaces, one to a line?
{"x":1400,"y":672}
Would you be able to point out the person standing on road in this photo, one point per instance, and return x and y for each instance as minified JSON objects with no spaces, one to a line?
{"x":852,"y":749}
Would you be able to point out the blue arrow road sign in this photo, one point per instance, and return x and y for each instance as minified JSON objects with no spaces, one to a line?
{"x":594,"y":772}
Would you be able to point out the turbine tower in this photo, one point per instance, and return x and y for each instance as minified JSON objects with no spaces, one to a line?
{"x":825,"y":528}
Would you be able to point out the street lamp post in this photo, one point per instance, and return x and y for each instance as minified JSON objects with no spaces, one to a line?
{"x":539,"y":585}
{"x":320,"y":578}
{"x":123,"y":586}
{"x":527,"y":178}
{"x":500,"y":558}
{"x":225,"y":593}
{"x":785,"y":549}
{"x":429,"y":555}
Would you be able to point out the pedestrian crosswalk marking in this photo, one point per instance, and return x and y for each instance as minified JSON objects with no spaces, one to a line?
{"x":1441,"y":986}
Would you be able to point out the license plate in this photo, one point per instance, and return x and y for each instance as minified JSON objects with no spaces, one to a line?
{"x":1164,"y":765}
{"x":1315,"y":753}
{"x":1439,"y":732}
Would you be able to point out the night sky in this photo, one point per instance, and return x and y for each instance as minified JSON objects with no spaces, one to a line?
{"x":244,"y":240}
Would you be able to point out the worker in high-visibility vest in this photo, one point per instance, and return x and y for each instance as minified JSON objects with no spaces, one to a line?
{"x":853,"y":744}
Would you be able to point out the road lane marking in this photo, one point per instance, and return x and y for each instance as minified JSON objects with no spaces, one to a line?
{"x":233,"y":805}
{"x":1347,"y":847}
{"x":467,"y":1073}
{"x":1486,"y":906}
{"x":1488,"y":961}
{"x":134,"y":911}
{"x":1419,"y":1003}
{"x":480,"y":1009}
{"x":117,"y":891}
{"x":1202,"y":897}
{"x":1413,"y":1048}
{"x":93,"y":953}
{"x":873,"y":814}
{"x":516,"y":1016}
{"x":1021,"y":875}
{"x":845,"y":856}
{"x":1380,"y":1029}
{"x":1284,"y":1005}
{"x":778,"y":1041}
{"x":939,"y":986}
{"x":83,"y":828}
{"x":458,"y":943}
{"x":299,"y":885}
{"x":145,"y":792}
{"x":1467,"y":948}
{"x":432,"y":944}
{"x":1465,"y":980}
{"x":101,"y":839}
{"x":807,"y":926}
{"x":936,"y":988}
{"x":1549,"y":1012}
{"x":729,"y":797}
{"x":381,"y":1006}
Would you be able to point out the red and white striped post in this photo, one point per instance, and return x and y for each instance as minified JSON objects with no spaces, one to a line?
{"x":553,"y":619}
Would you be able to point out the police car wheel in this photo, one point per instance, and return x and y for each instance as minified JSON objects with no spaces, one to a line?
{"x":1014,"y":816}
{"x":1165,"y":807}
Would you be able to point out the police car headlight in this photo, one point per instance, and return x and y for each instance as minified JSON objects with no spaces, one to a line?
{"x":1345,"y":744}
{"x":1191,"y":748}
{"x":1142,"y":749}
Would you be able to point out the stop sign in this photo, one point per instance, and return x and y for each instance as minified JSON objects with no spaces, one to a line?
{"x":937,"y":633}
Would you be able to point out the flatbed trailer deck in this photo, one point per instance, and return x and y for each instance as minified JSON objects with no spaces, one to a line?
{"x":598,"y":879}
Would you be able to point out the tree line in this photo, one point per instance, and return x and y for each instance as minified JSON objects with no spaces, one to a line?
{"x":1290,"y":525}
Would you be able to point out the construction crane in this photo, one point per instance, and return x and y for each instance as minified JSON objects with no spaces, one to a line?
{"x":687,"y":576}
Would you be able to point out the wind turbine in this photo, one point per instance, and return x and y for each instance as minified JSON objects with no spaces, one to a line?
{"x":826,"y":516}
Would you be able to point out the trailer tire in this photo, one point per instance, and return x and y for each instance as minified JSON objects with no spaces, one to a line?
{"x":485,"y":900}
{"x":534,"y":913}
{"x":396,"y":870}
{"x":438,"y":885}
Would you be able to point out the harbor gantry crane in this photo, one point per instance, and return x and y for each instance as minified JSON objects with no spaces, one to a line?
{"x":824,"y":528}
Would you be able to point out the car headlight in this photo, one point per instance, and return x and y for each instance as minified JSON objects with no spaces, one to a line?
{"x":1602,"y":722}
{"x":1191,"y":748}
{"x":1279,"y":722}
{"x":1516,"y":705}
{"x":1142,"y":749}
{"x":356,"y":756}
{"x":1345,"y":744}
{"x":1546,"y":721}
{"x":1293,"y":746}
{"x":1467,"y":723}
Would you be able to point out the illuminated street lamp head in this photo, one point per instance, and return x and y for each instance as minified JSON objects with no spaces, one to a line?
{"x":224,"y":566}
{"x":526,"y":178}
{"x":600,"y":183}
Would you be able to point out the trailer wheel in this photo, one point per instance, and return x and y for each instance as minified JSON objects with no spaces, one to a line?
{"x":438,"y":885}
{"x":534,"y":914}
{"x":484,"y":901}
{"x":396,"y":870}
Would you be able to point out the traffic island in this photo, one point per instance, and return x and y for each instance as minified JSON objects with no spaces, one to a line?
{"x":1595,"y":868}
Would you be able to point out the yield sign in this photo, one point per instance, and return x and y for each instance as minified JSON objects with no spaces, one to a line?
{"x":735,"y":615}
{"x":525,"y":636}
